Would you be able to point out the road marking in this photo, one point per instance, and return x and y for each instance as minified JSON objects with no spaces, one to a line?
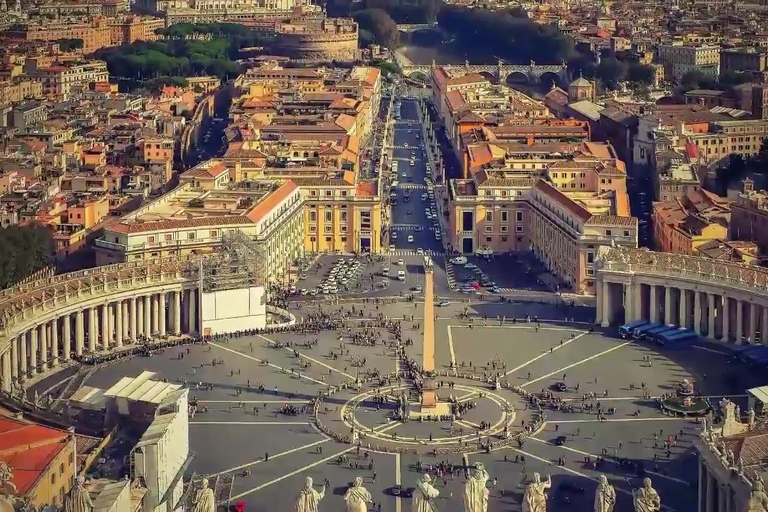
{"x":249,"y":423}
{"x":587,"y":454}
{"x":275,"y":456}
{"x":62,"y":381}
{"x":398,"y":481}
{"x":310,"y":359}
{"x":467,"y":424}
{"x":515,"y":326}
{"x":578,"y":473}
{"x":309,"y":466}
{"x":261,"y":361}
{"x":450,"y":347}
{"x":253,"y":401}
{"x":545,"y":353}
{"x":617,"y":420}
{"x":577,"y":363}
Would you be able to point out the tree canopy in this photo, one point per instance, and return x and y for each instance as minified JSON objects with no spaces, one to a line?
{"x":380,"y":25}
{"x":23,"y":251}
{"x":407,"y":11}
{"x":67,"y":45}
{"x":485,"y":33}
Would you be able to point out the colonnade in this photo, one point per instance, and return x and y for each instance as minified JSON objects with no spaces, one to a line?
{"x":718,"y":314}
{"x":40,"y":346}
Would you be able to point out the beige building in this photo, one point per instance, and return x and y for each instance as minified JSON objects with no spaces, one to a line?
{"x":193,"y":218}
{"x":59,"y":81}
{"x":680,"y":59}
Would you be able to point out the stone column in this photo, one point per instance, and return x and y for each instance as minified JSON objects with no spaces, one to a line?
{"x":132,"y":314}
{"x":66,"y":334}
{"x":14,"y":359}
{"x":162,"y":313}
{"x":33,"y":351}
{"x":79,"y":333}
{"x":711,"y":315}
{"x":147,"y":315}
{"x":93,"y":329}
{"x":23,"y":368}
{"x":667,"y":304}
{"x":654,"y":306}
{"x":105,"y":334}
{"x":119,"y":323}
{"x":155,"y":307}
{"x":43,"y":340}
{"x":683,"y":315}
{"x":126,"y":320}
{"x":628,"y":292}
{"x":764,"y":326}
{"x":752,"y":335}
{"x":598,"y":302}
{"x":606,"y":316}
{"x":177,"y":312}
{"x":193,"y":310}
{"x":726,"y":319}
{"x":54,"y":343}
{"x":697,"y":311}
{"x":5,"y":363}
{"x":739,"y":321}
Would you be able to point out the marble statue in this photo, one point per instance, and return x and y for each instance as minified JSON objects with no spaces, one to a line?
{"x":7,"y":487}
{"x":205,"y":501}
{"x":751,"y":417}
{"x":535,"y":497}
{"x":605,"y":496}
{"x":646,"y":499}
{"x":758,"y":499}
{"x":79,"y":500}
{"x":309,"y":499}
{"x":475,"y":491}
{"x":424,"y":496}
{"x":357,"y":497}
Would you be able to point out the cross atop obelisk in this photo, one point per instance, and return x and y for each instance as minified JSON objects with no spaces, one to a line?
{"x":428,"y":390}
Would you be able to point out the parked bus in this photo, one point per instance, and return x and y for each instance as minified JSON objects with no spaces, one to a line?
{"x":639,"y":332}
{"x":675,"y":337}
{"x":653,"y":334}
{"x":625,"y":331}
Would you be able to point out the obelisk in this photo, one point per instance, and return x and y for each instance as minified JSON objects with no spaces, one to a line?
{"x":429,"y":387}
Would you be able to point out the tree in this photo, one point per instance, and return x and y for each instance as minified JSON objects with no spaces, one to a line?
{"x":68,"y":45}
{"x":24,"y":251}
{"x":696,"y":79}
{"x":641,"y":73}
{"x":610,"y":72}
{"x":378,"y":23}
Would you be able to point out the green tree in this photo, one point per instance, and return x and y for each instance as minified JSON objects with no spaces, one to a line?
{"x":24,"y":251}
{"x":696,"y":79}
{"x":610,"y":72}
{"x":380,"y":24}
{"x":640,"y":73}
{"x":68,"y":45}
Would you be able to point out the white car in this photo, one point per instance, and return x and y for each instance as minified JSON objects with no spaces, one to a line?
{"x":391,"y":247}
{"x":401,"y":275}
{"x":423,"y":197}
{"x":459,"y":260}
{"x":410,"y":239}
{"x":420,"y":251}
{"x":394,"y":235}
{"x":401,"y":261}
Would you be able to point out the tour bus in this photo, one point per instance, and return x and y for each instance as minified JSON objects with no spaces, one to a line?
{"x":675,"y":337}
{"x":625,"y":331}
{"x":653,"y":334}
{"x":639,"y":332}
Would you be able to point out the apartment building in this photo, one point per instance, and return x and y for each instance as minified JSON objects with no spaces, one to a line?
{"x":190,"y":220}
{"x":561,"y":208}
{"x":749,"y":217}
{"x":680,"y":59}
{"x":60,"y":81}
{"x":685,"y":223}
{"x":743,"y":59}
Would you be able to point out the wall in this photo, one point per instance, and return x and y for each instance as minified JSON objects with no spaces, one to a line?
{"x":233,"y":310}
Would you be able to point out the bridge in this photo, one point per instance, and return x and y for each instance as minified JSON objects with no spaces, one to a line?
{"x":416,"y":26}
{"x":500,"y":72}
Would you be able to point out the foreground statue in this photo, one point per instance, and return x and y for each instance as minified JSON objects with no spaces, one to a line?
{"x":475,"y":490}
{"x":424,"y":496}
{"x":758,"y":499}
{"x":309,"y":498}
{"x":357,"y":497}
{"x":646,"y":499}
{"x":535,"y":498}
{"x":605,"y":496}
{"x":79,"y":500}
{"x":205,"y":501}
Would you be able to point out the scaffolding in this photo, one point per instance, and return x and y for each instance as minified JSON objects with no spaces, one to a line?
{"x":240,"y":263}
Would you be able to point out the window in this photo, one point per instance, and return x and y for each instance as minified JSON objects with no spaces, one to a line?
{"x":328,"y":216}
{"x":61,"y":468}
{"x":343,"y":216}
{"x":328,"y":229}
{"x":626,"y":233}
{"x":313,"y":229}
{"x":365,"y":219}
{"x":312,"y":216}
{"x":608,"y":232}
{"x":327,"y":239}
{"x":214,"y":233}
{"x":467,"y":221}
{"x":590,"y":257}
{"x":168,"y":237}
{"x":191,"y":235}
{"x":343,"y":193}
{"x":504,"y":239}
{"x":329,"y":193}
{"x":489,"y":229}
{"x":53,"y":478}
{"x":518,"y":229}
{"x":519,"y":216}
{"x":151,"y":239}
{"x":313,"y":192}
{"x":489,"y":239}
{"x":488,"y":216}
{"x":344,"y":229}
{"x":488,"y":193}
{"x":504,"y":216}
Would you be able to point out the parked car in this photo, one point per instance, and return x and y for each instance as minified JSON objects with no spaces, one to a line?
{"x":459,"y":260}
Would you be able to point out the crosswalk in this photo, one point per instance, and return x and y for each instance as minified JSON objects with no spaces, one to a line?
{"x":412,"y":252}
{"x":450,"y":275}
{"x":411,"y":186}
{"x":409,"y":227}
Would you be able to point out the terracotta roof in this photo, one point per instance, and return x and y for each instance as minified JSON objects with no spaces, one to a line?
{"x":367,"y":188}
{"x":750,"y":448}
{"x":440,"y":75}
{"x":267,"y":204}
{"x":372,"y":75}
{"x":467,"y":79}
{"x":563,"y":200}
{"x":28,"y":449}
